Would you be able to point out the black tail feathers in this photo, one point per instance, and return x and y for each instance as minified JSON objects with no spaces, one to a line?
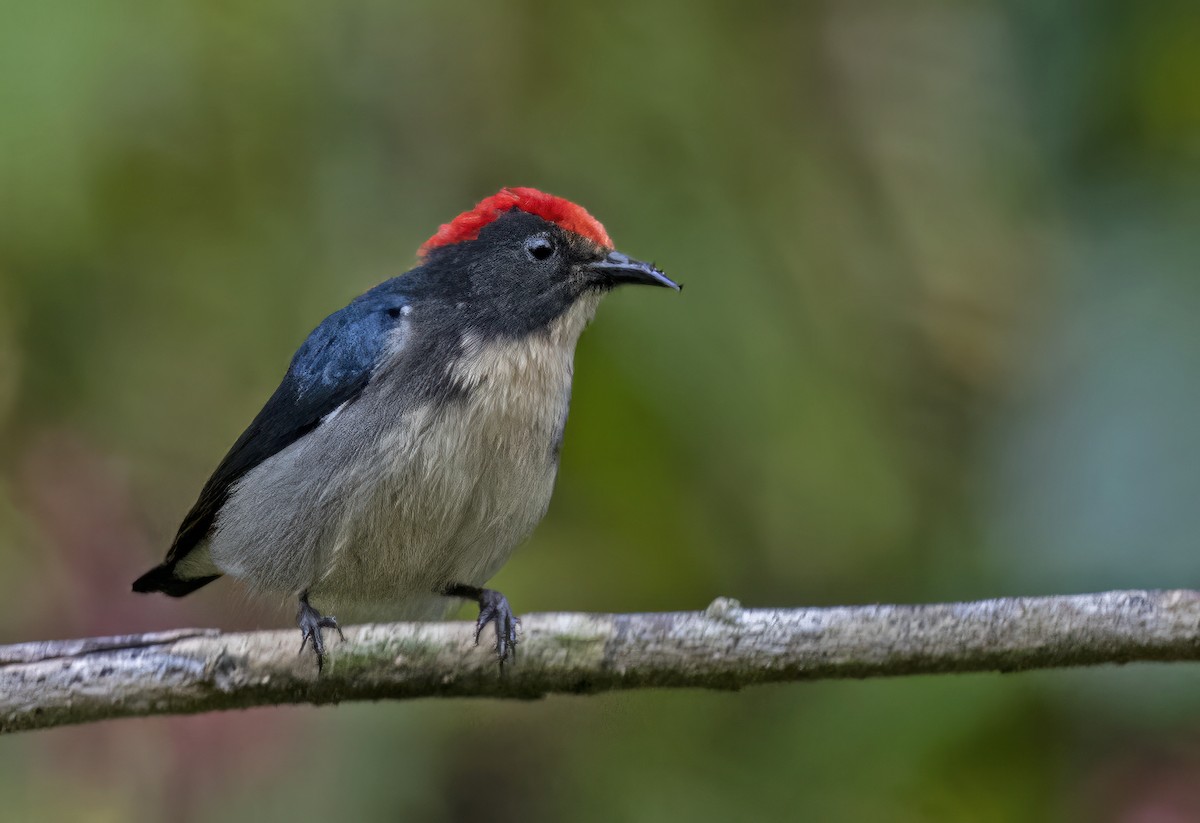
{"x":162,"y":579}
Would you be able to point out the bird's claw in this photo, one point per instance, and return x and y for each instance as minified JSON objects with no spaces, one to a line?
{"x":494,"y":608}
{"x":311,"y":622}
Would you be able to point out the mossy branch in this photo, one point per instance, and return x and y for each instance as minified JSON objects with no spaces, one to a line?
{"x":57,"y":683}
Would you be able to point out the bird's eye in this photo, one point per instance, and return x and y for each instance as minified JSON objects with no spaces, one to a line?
{"x":539,"y":248}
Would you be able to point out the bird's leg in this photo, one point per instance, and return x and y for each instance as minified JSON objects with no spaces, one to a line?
{"x":493,"y":608}
{"x":311,"y":622}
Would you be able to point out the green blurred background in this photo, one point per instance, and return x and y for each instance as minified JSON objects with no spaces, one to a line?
{"x":939,"y":341}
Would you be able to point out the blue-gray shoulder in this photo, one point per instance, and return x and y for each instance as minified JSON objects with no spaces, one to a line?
{"x":330,"y":369}
{"x":348,"y":344}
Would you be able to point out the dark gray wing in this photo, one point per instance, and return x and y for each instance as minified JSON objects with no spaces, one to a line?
{"x":331,"y":368}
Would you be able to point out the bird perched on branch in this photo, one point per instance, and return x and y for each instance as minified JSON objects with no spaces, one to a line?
{"x":414,"y":440}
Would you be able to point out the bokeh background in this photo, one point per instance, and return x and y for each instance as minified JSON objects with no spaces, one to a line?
{"x":939,"y":341}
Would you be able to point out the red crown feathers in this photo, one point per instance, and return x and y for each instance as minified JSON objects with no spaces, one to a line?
{"x":560,"y":212}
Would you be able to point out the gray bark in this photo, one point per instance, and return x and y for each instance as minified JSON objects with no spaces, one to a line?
{"x":724,"y":647}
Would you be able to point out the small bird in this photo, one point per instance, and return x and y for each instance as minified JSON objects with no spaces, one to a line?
{"x":414,"y":440}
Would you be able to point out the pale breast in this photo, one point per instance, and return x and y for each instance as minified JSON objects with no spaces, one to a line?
{"x":453,"y":489}
{"x":387,"y":502}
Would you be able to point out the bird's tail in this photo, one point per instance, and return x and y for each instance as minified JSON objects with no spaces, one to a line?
{"x":162,"y":578}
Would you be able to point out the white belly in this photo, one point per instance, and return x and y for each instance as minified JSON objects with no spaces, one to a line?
{"x":445,"y":499}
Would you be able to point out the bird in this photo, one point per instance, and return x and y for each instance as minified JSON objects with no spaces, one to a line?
{"x":414,"y":440}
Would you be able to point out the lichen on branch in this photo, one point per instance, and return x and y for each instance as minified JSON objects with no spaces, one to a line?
{"x":56,"y":683}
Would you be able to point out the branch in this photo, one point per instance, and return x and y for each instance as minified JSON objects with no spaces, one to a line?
{"x":724,"y":647}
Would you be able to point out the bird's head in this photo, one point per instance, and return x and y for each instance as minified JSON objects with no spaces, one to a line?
{"x":528,"y":257}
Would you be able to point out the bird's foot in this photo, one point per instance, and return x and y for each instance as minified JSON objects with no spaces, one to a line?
{"x":311,"y":622}
{"x":494,"y":609}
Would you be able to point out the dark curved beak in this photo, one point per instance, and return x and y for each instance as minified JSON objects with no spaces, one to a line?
{"x":617,"y":269}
